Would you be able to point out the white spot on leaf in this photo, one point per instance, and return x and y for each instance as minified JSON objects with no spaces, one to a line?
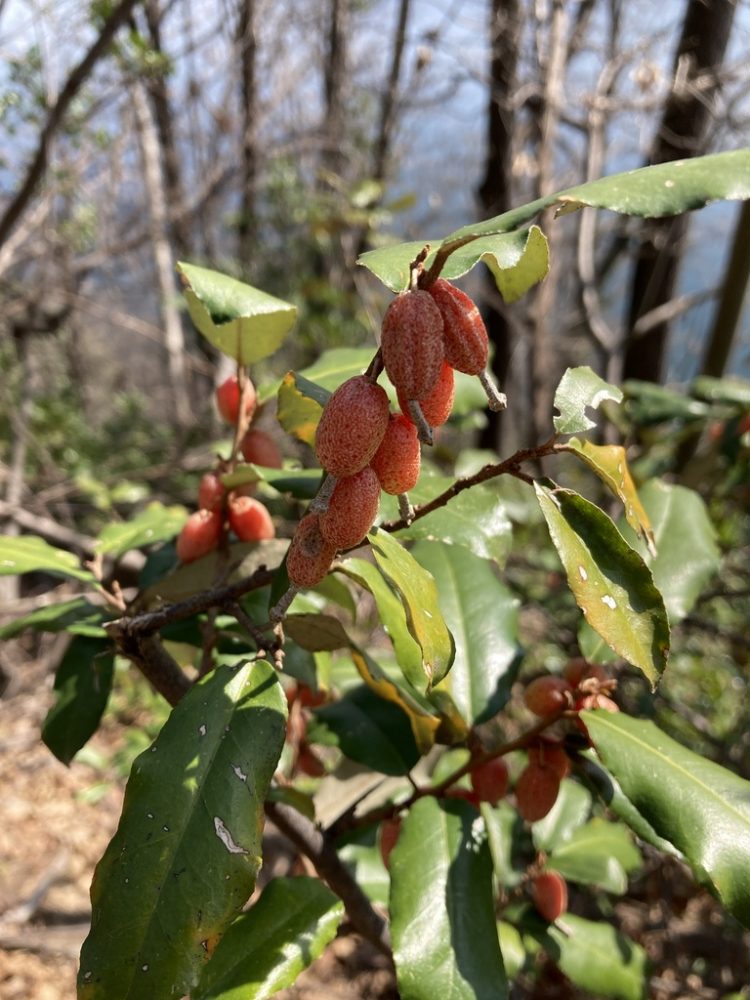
{"x":239,"y":772}
{"x":668,"y":184}
{"x":609,"y":601}
{"x":584,"y":574}
{"x":202,"y":729}
{"x":226,"y":837}
{"x":144,"y":968}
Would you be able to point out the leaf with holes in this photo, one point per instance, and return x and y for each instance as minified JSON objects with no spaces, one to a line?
{"x":580,"y":388}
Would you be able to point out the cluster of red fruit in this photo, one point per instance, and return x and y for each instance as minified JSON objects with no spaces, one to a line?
{"x":247,"y":517}
{"x":363,"y":447}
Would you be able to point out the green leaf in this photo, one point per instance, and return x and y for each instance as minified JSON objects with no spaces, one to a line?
{"x":337,"y":365}
{"x":266,"y":948}
{"x":420,"y":600}
{"x":187,"y":851}
{"x":476,"y":519}
{"x":610,"y":582}
{"x":597,"y":958}
{"x":371,"y":731}
{"x":648,"y":403}
{"x":31,"y":554}
{"x":700,"y":807}
{"x":611,"y":466}
{"x":592,"y":856}
{"x":506,"y":836}
{"x":445,"y":941}
{"x":733,"y":391}
{"x":511,"y":945}
{"x":243,"y":322}
{"x":687,"y":553}
{"x":393,"y":619}
{"x":301,"y":483}
{"x":300,"y":405}
{"x":570,"y":811}
{"x":317,"y":633}
{"x":580,"y":388}
{"x":79,"y":617}
{"x":82,"y":685}
{"x":360,"y":852}
{"x":482,"y":615}
{"x":156,"y":523}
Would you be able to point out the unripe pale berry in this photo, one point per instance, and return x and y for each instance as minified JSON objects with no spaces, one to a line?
{"x":550,"y":894}
{"x":490,"y":780}
{"x":537,"y":789}
{"x":250,"y":520}
{"x":352,"y":509}
{"x":577,"y":670}
{"x":465,"y":341}
{"x":437,"y":405}
{"x":228,"y":396}
{"x":546,"y":695}
{"x":549,"y":752}
{"x":397,"y":460}
{"x":310,"y":555}
{"x":199,"y":535}
{"x":411,"y":340}
{"x":352,"y":426}
{"x":210,"y":491}
{"x":260,"y":448}
{"x":389,"y":831}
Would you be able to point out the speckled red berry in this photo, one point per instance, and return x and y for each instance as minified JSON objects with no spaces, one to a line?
{"x":490,"y":780}
{"x":250,"y":520}
{"x":465,"y":341}
{"x":210,"y":491}
{"x":411,"y":340}
{"x":537,"y":789}
{"x":260,"y":448}
{"x":199,"y":536}
{"x":228,"y":396}
{"x":310,"y":555}
{"x":352,"y":509}
{"x":546,"y":695}
{"x":550,"y":894}
{"x":549,"y":752}
{"x":397,"y":460}
{"x":352,"y":426}
{"x":436,"y":405}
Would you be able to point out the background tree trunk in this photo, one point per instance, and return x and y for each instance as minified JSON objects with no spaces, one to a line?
{"x":247,"y":229}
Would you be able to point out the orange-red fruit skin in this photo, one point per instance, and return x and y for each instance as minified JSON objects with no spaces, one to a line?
{"x":199,"y":535}
{"x":577,"y":670}
{"x":210,"y":491}
{"x":352,"y":426}
{"x":310,"y":555}
{"x":397,"y":460}
{"x":228,"y":396}
{"x":352,"y":509}
{"x":411,"y":340}
{"x":436,"y":406}
{"x":465,"y":340}
{"x":550,"y":894}
{"x":389,"y":831}
{"x":250,"y":520}
{"x":546,"y":695}
{"x":550,"y":753}
{"x":537,"y":789}
{"x":260,"y":448}
{"x":490,"y":780}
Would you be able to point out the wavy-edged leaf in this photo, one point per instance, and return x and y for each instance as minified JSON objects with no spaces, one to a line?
{"x":687,"y":554}
{"x":419,"y":596}
{"x":78,"y":616}
{"x":393,"y":619}
{"x":597,"y":957}
{"x":482,"y":615}
{"x":580,"y":388}
{"x":300,"y":405}
{"x":31,"y":554}
{"x":82,"y":685}
{"x":266,"y":948}
{"x":187,"y":851}
{"x":370,"y":730}
{"x":700,"y":807}
{"x":243,"y":322}
{"x":156,"y":523}
{"x":445,"y":941}
{"x":612,"y":585}
{"x":610,"y":464}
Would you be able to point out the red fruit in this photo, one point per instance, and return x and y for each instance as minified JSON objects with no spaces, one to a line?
{"x":311,"y":699}
{"x":411,"y":340}
{"x":352,"y":509}
{"x":310,"y":555}
{"x":389,"y":831}
{"x":594,"y":701}
{"x":228,"y":400}
{"x":490,"y":780}
{"x":309,"y":763}
{"x":537,"y":789}
{"x":210,"y":491}
{"x":465,"y":341}
{"x":577,"y":670}
{"x":546,"y":695}
{"x":550,"y":894}
{"x":352,"y":426}
{"x":437,"y":405}
{"x":467,"y":794}
{"x":744,"y":425}
{"x":396,"y":461}
{"x":250,"y":520}
{"x":549,"y":752}
{"x":199,"y":536}
{"x":261,"y":449}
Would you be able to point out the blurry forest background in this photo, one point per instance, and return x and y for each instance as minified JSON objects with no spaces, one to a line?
{"x":277,"y":140}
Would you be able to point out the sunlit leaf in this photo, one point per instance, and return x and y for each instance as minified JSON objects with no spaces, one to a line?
{"x":300,"y":406}
{"x":579,"y":389}
{"x":156,"y":523}
{"x":31,"y":554}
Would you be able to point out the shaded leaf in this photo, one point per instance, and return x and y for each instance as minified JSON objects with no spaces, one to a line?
{"x":445,"y":941}
{"x":31,"y":554}
{"x":265,"y":949}
{"x":301,"y":483}
{"x":580,"y":388}
{"x":700,"y":807}
{"x":610,"y":582}
{"x":360,"y":852}
{"x":505,"y":834}
{"x":79,"y":616}
{"x":243,"y":322}
{"x":192,"y":818}
{"x":482,"y":615}
{"x":292,"y":797}
{"x":648,"y":403}
{"x":733,"y":391}
{"x":156,"y":523}
{"x":316,"y":633}
{"x":82,"y":685}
